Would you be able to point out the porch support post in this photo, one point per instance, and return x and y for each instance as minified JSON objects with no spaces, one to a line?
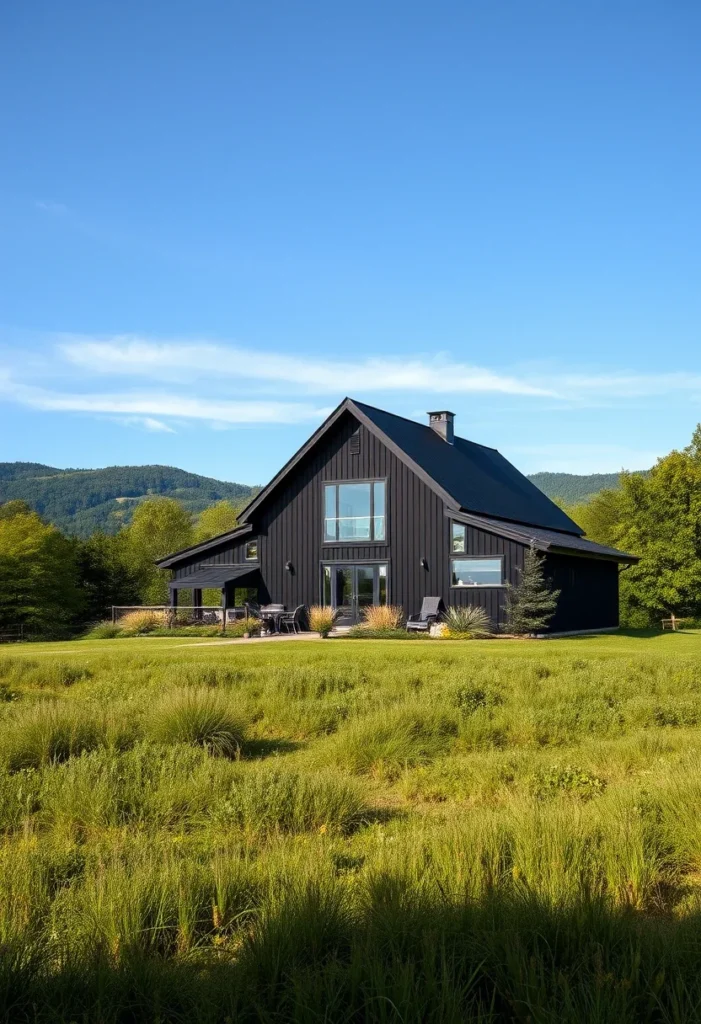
{"x":197,"y":601}
{"x":223,"y":609}
{"x":174,"y":597}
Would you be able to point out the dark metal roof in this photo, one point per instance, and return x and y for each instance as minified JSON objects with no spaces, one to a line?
{"x":213,"y":576}
{"x":478,"y":478}
{"x":544,"y":540}
{"x":205,"y":545}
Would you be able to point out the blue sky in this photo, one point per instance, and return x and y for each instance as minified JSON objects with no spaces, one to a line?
{"x":219,"y":218}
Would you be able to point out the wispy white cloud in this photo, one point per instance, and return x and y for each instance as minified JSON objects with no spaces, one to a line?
{"x":148,"y":423}
{"x":130,"y":356}
{"x":149,"y":407}
{"x":49,"y":206}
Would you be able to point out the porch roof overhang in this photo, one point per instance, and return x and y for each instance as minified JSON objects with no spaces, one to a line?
{"x":544,"y":540}
{"x":213,"y":576}
{"x":170,"y":562}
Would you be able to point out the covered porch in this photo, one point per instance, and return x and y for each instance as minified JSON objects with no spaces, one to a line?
{"x":234,"y":582}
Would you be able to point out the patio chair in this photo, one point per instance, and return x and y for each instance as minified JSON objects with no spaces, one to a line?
{"x":293,"y":621}
{"x":251,"y":609}
{"x":431,"y":609}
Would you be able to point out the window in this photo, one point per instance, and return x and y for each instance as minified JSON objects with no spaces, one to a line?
{"x":476,"y":572}
{"x":354,"y":511}
{"x":458,"y":541}
{"x":382,"y":585}
{"x":251,"y":550}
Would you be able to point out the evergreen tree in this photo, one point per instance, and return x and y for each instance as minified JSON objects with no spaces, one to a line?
{"x":531,"y":604}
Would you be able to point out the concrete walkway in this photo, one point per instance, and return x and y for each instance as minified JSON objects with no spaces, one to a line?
{"x":272,"y":638}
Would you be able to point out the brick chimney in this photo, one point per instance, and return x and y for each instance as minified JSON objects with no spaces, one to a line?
{"x":442,"y":422}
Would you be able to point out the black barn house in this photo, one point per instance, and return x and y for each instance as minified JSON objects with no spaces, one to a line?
{"x":376,"y":509}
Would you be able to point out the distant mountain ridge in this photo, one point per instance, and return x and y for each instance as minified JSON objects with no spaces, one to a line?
{"x":573,"y":488}
{"x":80,"y":501}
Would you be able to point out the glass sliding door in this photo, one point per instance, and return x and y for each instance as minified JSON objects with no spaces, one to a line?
{"x":352,"y":588}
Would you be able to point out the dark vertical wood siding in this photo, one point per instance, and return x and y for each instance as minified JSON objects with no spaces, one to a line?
{"x":289,"y":528}
{"x":589,"y":592}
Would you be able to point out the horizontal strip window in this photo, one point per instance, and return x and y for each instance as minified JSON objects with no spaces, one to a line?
{"x":354,"y":512}
{"x":477,"y":572}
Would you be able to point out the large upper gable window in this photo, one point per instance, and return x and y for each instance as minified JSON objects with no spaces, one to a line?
{"x":477,"y":572}
{"x":354,"y":511}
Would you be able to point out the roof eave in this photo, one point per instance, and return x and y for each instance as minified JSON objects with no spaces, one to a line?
{"x":507,"y":531}
{"x":205,"y":545}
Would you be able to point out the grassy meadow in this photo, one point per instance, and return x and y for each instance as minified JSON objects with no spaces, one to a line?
{"x":349,"y":831}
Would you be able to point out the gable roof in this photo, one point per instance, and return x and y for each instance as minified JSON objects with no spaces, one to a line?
{"x":468,"y":477}
{"x":465,"y":475}
{"x":479,"y":479}
{"x":544,"y":540}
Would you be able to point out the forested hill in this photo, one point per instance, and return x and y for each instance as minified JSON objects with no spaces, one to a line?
{"x":81,"y":501}
{"x":573,"y":488}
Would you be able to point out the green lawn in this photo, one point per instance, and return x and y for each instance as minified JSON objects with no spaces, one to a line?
{"x":351,"y":830}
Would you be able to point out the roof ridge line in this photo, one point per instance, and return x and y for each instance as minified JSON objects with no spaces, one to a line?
{"x":416,"y":423}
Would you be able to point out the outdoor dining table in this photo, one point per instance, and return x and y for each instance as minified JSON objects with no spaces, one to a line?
{"x":271,"y":615}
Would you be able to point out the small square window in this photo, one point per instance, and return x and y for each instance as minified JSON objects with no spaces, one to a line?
{"x":251,"y":550}
{"x":458,"y":543}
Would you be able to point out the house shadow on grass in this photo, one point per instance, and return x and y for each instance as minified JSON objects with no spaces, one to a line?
{"x":406,"y":952}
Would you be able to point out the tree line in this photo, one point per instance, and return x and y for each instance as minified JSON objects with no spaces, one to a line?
{"x":52,"y":584}
{"x":656,"y":516}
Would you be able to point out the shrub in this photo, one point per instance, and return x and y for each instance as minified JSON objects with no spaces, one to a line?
{"x":362,"y":632}
{"x":242,"y":626}
{"x":103,"y":631}
{"x":469,"y":623}
{"x":383,"y":616}
{"x":322,"y":620}
{"x":191,"y":630}
{"x":569,"y":779}
{"x":202,"y":717}
{"x":470,"y":698}
{"x":139,"y":622}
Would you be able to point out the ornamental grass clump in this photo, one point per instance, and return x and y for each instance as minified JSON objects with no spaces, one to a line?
{"x":322,"y":620}
{"x":383,"y":616}
{"x":471,"y":623}
{"x":140,"y":622}
{"x":202,"y":717}
{"x":50,"y":731}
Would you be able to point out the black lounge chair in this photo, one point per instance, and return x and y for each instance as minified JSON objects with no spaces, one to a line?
{"x":293,"y":621}
{"x":431,"y":609}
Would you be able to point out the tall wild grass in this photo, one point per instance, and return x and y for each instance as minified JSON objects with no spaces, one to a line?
{"x":489,"y":832}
